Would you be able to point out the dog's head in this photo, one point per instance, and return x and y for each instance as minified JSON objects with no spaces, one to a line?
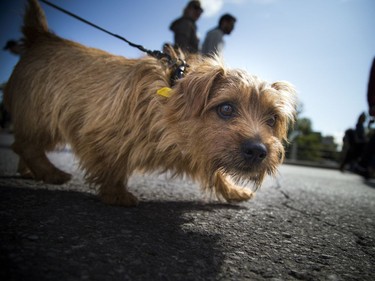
{"x":230,"y":121}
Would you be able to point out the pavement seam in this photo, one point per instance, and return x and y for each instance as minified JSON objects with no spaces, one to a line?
{"x":360,"y":240}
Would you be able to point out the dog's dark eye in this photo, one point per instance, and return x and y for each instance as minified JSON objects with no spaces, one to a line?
{"x":225,"y":111}
{"x":271,"y":121}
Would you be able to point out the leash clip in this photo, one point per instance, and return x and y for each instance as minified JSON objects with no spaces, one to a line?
{"x":179,"y":72}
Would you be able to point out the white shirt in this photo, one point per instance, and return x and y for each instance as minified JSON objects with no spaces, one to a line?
{"x":213,"y":43}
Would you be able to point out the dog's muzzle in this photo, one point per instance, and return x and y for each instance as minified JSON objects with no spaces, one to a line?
{"x":253,"y":152}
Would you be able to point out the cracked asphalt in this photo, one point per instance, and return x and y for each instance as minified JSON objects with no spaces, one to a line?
{"x":306,"y":224}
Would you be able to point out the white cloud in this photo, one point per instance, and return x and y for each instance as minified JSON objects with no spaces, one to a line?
{"x":263,"y":1}
{"x":213,"y":7}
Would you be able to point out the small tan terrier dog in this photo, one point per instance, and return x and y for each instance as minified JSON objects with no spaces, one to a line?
{"x":219,"y":126}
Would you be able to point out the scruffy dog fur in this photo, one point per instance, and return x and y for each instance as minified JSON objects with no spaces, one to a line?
{"x":220,"y":126}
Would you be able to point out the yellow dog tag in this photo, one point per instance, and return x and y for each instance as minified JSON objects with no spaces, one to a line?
{"x":165,"y":92}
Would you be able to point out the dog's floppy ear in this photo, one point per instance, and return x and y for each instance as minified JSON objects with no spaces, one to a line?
{"x":196,"y":87}
{"x":287,"y":105}
{"x":288,"y":98}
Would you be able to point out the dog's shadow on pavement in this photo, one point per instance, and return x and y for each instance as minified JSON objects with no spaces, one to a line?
{"x":70,"y":235}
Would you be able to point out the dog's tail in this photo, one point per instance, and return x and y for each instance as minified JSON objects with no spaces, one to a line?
{"x":34,"y":22}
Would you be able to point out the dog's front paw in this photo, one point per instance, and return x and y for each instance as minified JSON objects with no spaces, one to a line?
{"x":229,"y":191}
{"x":237,"y":194}
{"x":125,"y":199}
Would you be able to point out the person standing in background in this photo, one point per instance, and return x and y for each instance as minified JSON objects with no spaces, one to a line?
{"x":185,"y":28}
{"x":371,"y":91}
{"x":367,"y":163}
{"x":15,"y":47}
{"x":214,"y":42}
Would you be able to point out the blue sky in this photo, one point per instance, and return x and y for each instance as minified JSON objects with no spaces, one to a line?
{"x":324,"y":47}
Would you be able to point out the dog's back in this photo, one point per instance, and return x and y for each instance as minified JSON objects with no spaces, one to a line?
{"x":54,"y":75}
{"x":63,"y":92}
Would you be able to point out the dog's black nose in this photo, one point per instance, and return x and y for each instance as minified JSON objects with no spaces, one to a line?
{"x":254,"y":152}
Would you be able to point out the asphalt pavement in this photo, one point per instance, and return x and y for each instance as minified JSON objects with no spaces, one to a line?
{"x":305,"y":224}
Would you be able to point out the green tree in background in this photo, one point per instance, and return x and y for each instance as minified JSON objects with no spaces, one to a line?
{"x":307,"y":145}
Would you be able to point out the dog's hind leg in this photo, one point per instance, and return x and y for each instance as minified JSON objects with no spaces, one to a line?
{"x":117,"y":194}
{"x":229,"y":191}
{"x":33,"y":158}
{"x":24,"y":170}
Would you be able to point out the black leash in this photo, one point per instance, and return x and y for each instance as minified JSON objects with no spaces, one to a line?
{"x":179,"y":72}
